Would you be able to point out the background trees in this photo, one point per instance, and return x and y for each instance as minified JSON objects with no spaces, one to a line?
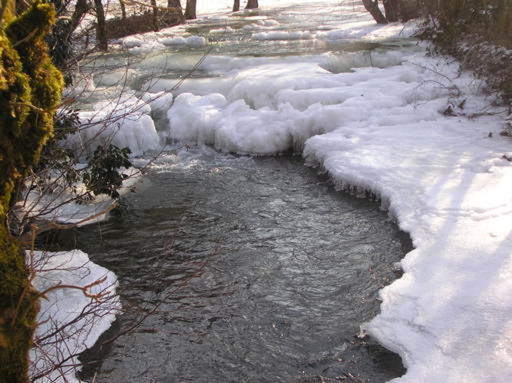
{"x":252,"y":4}
{"x":394,"y":10}
{"x":190,"y":10}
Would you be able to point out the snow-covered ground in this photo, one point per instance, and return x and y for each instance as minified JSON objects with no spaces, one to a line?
{"x":70,"y":319}
{"x":411,"y":128}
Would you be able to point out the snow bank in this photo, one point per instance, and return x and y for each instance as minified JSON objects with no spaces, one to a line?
{"x":124,"y":122}
{"x":192,"y":41}
{"x":58,"y":204}
{"x":62,"y":307}
{"x":447,"y":183}
{"x":282,"y":35}
{"x":154,"y":41}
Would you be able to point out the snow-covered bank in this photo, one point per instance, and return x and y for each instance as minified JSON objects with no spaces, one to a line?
{"x":447,"y":184}
{"x":70,"y":319}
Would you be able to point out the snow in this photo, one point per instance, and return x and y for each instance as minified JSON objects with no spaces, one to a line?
{"x":124,"y":122}
{"x":282,"y":35}
{"x":62,"y":306}
{"x":57,"y":204}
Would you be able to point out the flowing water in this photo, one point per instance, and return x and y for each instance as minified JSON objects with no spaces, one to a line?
{"x":263,"y":273}
{"x":255,"y":269}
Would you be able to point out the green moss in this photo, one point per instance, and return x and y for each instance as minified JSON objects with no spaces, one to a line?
{"x":30,"y":89}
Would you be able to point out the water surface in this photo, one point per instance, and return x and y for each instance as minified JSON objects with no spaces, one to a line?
{"x":276,"y":271}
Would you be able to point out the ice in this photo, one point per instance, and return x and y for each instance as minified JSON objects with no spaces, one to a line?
{"x":193,"y":41}
{"x":124,"y":122}
{"x":58,"y":204}
{"x":282,"y":35}
{"x":62,"y":307}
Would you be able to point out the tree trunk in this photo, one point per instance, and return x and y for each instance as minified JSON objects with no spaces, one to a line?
{"x":236,"y":5}
{"x":252,"y":4}
{"x":27,"y":77}
{"x":174,"y":4}
{"x":101,"y":29}
{"x":409,"y":9}
{"x":154,"y":19}
{"x":123,"y":9}
{"x":392,"y":10}
{"x":190,"y":10}
{"x":372,"y":6}
{"x":81,"y":9}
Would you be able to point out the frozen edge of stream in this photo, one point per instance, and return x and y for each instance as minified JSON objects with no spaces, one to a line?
{"x":448,"y":316}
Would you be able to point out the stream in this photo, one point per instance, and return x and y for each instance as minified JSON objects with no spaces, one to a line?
{"x":255,"y":269}
{"x":262,"y":270}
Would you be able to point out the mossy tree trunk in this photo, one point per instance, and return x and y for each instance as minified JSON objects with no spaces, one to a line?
{"x":30,"y":89}
{"x":174,"y":4}
{"x":409,"y":9}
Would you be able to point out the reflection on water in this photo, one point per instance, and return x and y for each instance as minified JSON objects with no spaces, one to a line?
{"x":281,"y":271}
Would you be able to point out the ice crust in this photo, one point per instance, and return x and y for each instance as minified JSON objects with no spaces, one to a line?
{"x":124,"y":122}
{"x":62,"y":306}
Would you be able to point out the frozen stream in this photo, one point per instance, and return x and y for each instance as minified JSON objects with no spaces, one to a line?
{"x":293,"y":267}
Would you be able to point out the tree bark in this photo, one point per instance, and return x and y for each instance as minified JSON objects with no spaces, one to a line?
{"x":123,"y":9}
{"x":252,"y":4}
{"x":176,"y":7}
{"x":409,"y":9}
{"x":174,"y":4}
{"x":236,"y":5}
{"x":101,"y":28}
{"x":392,"y":10}
{"x":154,"y":19}
{"x":372,"y":6}
{"x":190,"y":10}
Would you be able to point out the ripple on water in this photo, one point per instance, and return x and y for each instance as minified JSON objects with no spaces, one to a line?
{"x":292,"y":269}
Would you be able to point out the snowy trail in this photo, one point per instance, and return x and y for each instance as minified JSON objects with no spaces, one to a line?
{"x":409,"y":128}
